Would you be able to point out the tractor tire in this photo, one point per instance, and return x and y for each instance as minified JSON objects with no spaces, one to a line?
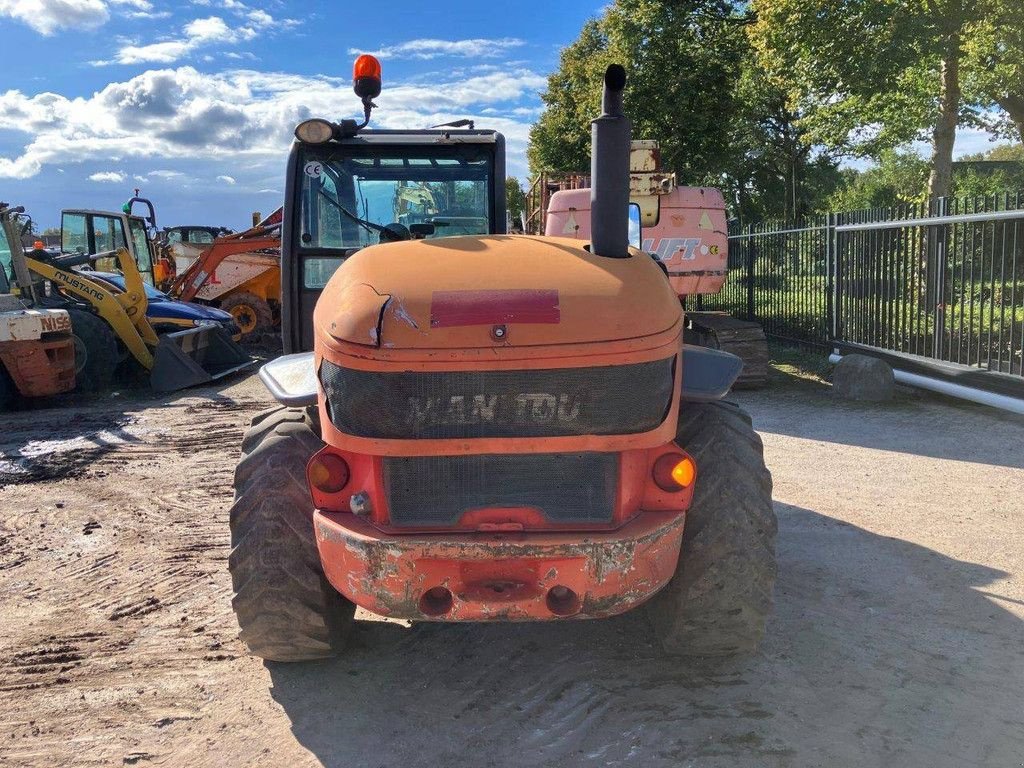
{"x":252,"y":313}
{"x":717,"y":603}
{"x":286,"y":609}
{"x":96,"y":351}
{"x":8,"y":392}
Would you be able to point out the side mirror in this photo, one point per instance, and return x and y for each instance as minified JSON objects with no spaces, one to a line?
{"x":421,"y":230}
{"x":395,"y":232}
{"x":635,"y":230}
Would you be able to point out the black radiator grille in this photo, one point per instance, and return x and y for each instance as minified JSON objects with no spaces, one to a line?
{"x":606,"y":400}
{"x":439,"y":490}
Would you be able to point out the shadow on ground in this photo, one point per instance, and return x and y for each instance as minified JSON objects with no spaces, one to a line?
{"x":880,"y":652}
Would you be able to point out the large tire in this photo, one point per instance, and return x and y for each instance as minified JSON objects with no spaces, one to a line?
{"x":252,"y":313}
{"x":719,"y":599}
{"x":8,"y":391}
{"x":96,"y":352}
{"x":286,"y":609}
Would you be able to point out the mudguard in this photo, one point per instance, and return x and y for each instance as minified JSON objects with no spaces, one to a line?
{"x":291,"y":379}
{"x":708,"y":374}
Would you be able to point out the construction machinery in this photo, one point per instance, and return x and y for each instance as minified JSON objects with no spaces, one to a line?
{"x":109,"y":319}
{"x":487,"y":427}
{"x":37,"y":350}
{"x":239,"y":273}
{"x":85,"y":231}
{"x":685,"y":229}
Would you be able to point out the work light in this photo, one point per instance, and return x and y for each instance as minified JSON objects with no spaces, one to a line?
{"x":315,"y":131}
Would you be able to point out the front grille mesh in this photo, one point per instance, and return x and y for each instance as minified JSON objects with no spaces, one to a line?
{"x":605,"y":400}
{"x":439,"y":490}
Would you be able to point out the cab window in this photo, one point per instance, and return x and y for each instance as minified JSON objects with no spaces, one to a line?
{"x":200,"y":236}
{"x":142,"y":254}
{"x":74,"y":233}
{"x":109,"y":234}
{"x":6,"y":270}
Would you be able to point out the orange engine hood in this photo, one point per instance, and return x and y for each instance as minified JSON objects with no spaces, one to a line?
{"x":473,"y":292}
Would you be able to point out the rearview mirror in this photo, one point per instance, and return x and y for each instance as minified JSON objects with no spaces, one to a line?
{"x":635,"y":233}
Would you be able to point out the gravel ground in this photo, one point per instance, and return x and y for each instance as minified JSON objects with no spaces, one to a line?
{"x":896,"y":640}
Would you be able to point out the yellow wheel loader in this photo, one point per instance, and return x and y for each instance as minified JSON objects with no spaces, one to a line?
{"x":109,"y":325}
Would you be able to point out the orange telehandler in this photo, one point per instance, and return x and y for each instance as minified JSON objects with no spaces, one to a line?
{"x":487,"y":427}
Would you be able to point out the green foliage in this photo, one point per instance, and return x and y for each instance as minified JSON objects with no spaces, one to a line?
{"x":515,"y":198}
{"x":857,"y":70}
{"x":682,"y":59}
{"x":762,"y":97}
{"x":899,"y":178}
{"x":695,"y":85}
{"x":992,"y":173}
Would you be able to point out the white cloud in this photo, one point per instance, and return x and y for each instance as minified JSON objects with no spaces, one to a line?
{"x":474,"y":48}
{"x":166,"y":175}
{"x":226,"y":179}
{"x":197,"y":33}
{"x":241,"y":115}
{"x":47,"y":16}
{"x":111,"y":177}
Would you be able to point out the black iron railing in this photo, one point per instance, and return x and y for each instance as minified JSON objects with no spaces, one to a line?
{"x":944,"y":281}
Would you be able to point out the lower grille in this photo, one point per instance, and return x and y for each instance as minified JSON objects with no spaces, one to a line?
{"x":439,"y":490}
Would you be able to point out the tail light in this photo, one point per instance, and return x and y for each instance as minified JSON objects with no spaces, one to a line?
{"x":674,"y":472}
{"x":327,"y":472}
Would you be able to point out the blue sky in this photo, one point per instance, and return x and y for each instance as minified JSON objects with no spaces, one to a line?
{"x":194,"y":101}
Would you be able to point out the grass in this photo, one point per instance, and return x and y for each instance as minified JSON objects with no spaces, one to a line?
{"x":799,"y":363}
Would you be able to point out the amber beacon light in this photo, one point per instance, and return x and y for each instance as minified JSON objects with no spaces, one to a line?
{"x":366,"y":77}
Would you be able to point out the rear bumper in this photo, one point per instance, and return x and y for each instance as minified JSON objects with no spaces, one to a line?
{"x":499,"y":576}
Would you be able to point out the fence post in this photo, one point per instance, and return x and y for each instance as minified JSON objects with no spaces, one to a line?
{"x":751,"y":258}
{"x":937,"y":283}
{"x":832,"y":277}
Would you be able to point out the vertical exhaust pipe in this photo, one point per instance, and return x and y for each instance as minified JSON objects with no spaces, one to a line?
{"x":610,"y":136}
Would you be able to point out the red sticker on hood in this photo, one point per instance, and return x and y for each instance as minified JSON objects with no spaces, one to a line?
{"x":495,"y":307}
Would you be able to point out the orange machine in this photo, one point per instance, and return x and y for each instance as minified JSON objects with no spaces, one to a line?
{"x":685,"y":229}
{"x":487,"y":427}
{"x":240,"y":273}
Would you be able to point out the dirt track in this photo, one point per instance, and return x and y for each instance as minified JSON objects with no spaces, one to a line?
{"x":898,"y":636}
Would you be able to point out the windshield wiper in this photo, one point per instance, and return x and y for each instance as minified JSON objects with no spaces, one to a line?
{"x":369,"y":226}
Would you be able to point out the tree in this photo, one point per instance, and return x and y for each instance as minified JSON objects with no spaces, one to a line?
{"x":515,"y":198}
{"x":682,"y":59}
{"x":875,"y":74}
{"x":994,"y":53}
{"x":900,"y":177}
{"x":996,"y":172}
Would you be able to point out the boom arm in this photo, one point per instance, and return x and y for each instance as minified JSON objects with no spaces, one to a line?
{"x":264,"y":236}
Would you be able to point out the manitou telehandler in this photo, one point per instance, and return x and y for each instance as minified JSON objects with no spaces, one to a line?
{"x":487,"y":427}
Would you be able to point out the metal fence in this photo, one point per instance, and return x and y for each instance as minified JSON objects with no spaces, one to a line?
{"x":944,"y":281}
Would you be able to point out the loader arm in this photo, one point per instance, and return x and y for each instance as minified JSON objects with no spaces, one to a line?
{"x":188,"y":284}
{"x":125,"y":312}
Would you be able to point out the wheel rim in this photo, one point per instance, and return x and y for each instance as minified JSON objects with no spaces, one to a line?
{"x":245,"y":316}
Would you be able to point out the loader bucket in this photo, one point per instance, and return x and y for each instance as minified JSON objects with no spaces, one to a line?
{"x":195,"y":356}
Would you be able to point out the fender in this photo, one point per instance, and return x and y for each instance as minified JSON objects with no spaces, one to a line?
{"x":708,"y":374}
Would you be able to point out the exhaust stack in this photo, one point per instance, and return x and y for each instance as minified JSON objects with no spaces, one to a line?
{"x":610,"y":136}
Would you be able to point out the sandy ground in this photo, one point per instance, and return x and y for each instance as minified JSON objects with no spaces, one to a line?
{"x":896,"y":640}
